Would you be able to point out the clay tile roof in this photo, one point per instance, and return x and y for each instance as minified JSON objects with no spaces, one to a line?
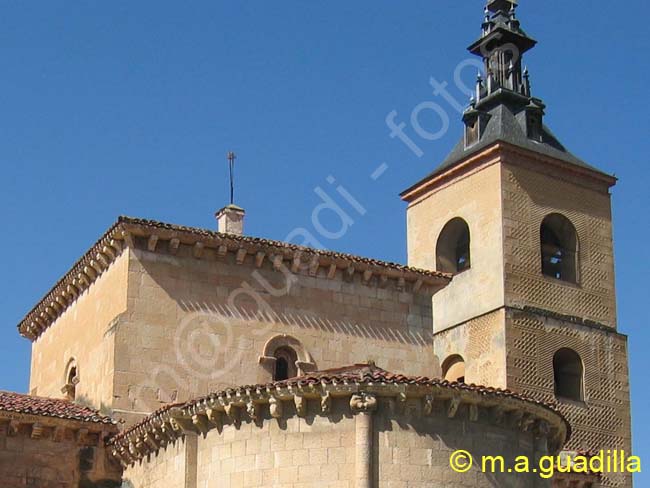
{"x":280,"y":244}
{"x":364,"y":374}
{"x":50,"y":407}
{"x":369,"y":373}
{"x":102,"y":254}
{"x":145,"y":422}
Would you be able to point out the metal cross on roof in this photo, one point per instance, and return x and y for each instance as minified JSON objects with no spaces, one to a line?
{"x":231,"y":165}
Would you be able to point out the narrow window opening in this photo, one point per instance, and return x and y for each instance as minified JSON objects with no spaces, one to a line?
{"x":568,"y":375}
{"x":71,"y":381}
{"x":453,"y":247}
{"x":559,"y":245}
{"x":285,"y":364}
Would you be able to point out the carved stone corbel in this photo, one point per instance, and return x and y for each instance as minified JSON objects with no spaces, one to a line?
{"x":152,"y":243}
{"x":37,"y":430}
{"x":174,"y":244}
{"x":301,"y":405}
{"x":367,"y":276}
{"x":295,"y":264}
{"x":453,"y":406}
{"x":214,"y":417}
{"x":326,"y":403}
{"x":363,"y":402}
{"x":222,"y":250}
{"x":198,"y":249}
{"x":151,"y":442}
{"x":428,"y":405}
{"x":241,"y":255}
{"x":233,"y":413}
{"x":201,"y":423}
{"x":313,"y":266}
{"x":275,"y":407}
{"x":331,"y":272}
{"x":251,"y":410}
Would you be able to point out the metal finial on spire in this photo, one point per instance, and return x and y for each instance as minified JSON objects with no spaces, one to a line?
{"x":501,"y":5}
{"x":231,"y":165}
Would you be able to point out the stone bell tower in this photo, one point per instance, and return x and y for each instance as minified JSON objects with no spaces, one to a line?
{"x":526,"y":228}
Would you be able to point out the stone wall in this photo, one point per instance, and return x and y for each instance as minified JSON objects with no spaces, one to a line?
{"x":415,"y":452}
{"x":165,"y":469}
{"x":293,"y":452}
{"x":199,"y":325}
{"x":481,"y":343}
{"x":54,"y":457}
{"x":83,"y":333}
{"x":602,"y":421}
{"x":476,"y":198}
{"x":528,"y":197}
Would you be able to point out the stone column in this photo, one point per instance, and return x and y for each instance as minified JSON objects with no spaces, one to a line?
{"x":191,"y":459}
{"x":363,"y":405}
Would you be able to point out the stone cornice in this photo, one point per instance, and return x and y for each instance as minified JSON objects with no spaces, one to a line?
{"x":40,"y":427}
{"x":501,"y":152}
{"x":206,"y":245}
{"x":399,"y":395}
{"x":77,"y":280}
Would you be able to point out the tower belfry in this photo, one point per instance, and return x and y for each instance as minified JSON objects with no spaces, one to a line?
{"x":526,"y":228}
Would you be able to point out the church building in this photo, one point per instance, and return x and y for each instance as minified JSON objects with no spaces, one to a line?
{"x":179,"y":357}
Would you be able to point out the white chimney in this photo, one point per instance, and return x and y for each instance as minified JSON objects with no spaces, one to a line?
{"x":230,"y":220}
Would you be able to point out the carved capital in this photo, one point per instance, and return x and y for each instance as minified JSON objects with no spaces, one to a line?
{"x":363,"y":403}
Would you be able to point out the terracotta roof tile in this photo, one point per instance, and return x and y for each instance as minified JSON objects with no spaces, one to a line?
{"x":50,"y":407}
{"x":357,"y":374}
{"x":369,"y":374}
{"x":280,"y":244}
{"x":142,"y":424}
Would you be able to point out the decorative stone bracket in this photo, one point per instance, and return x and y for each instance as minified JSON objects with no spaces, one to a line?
{"x":264,"y":403}
{"x":363,"y":403}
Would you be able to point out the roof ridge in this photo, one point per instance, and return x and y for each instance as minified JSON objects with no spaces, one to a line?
{"x":51,"y":407}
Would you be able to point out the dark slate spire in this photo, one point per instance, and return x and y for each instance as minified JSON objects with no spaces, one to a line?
{"x":502,"y":46}
{"x":503,"y":107}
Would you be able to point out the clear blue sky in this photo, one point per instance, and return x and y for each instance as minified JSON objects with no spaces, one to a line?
{"x":110,"y":108}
